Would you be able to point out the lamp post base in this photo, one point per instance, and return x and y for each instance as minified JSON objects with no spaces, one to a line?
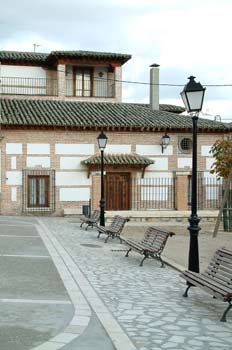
{"x":193,"y":246}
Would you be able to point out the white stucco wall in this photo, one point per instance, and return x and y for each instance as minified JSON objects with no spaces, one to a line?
{"x":209,"y":162}
{"x":75,"y":149}
{"x":38,"y":148}
{"x":74,"y":194}
{"x":23,"y":80}
{"x":184,"y":162}
{"x":161,"y":175}
{"x":205,"y":151}
{"x":160,"y":163}
{"x":14,"y":178}
{"x":154,"y":194}
{"x":70,"y":163}
{"x":13,"y":163}
{"x":100,"y":83}
{"x":71,"y":178}
{"x":14,"y":194}
{"x":38,"y":161}
{"x":14,"y":148}
{"x":118,"y":148}
{"x":154,"y":150}
{"x":22,"y":71}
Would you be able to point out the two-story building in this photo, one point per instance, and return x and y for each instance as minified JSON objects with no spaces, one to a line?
{"x":53,"y":107}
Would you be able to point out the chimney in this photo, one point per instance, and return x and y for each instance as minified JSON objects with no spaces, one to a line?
{"x":154,"y":86}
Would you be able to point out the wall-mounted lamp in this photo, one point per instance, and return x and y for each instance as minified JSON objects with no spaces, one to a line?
{"x":164,"y":142}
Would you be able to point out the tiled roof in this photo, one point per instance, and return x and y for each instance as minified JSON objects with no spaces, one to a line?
{"x":91,"y":54}
{"x":172,"y":108}
{"x":89,"y":115}
{"x":17,"y":56}
{"x":164,"y":107}
{"x":118,"y":159}
{"x":23,"y":56}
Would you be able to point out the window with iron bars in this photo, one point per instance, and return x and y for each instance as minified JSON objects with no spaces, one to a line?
{"x":38,"y":190}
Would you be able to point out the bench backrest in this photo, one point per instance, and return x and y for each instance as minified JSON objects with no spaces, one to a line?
{"x":118,"y":223}
{"x":96,"y":215}
{"x":220,"y":267}
{"x":156,"y":238}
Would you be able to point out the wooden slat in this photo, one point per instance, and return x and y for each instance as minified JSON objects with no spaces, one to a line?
{"x":226,"y":251}
{"x":202,"y":282}
{"x":222,"y":261}
{"x":225,"y":274}
{"x":218,"y":278}
{"x":153,"y":241}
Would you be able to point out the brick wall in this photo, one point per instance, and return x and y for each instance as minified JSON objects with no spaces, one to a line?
{"x":12,"y":164}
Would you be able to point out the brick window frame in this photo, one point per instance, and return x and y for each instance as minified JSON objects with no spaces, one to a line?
{"x":185,"y":144}
{"x":46,"y":205}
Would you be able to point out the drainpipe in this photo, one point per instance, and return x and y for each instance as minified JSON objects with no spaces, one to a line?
{"x":154,"y":86}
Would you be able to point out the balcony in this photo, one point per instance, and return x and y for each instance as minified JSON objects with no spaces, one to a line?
{"x":28,"y":86}
{"x":90,"y":88}
{"x":98,"y":88}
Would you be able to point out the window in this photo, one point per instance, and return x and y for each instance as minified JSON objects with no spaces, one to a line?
{"x":38,"y":191}
{"x":185,"y":144}
{"x":84,"y":82}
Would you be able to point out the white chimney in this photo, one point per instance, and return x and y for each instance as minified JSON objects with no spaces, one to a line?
{"x":154,"y":86}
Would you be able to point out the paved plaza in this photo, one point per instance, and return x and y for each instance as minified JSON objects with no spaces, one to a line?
{"x":106,"y":301}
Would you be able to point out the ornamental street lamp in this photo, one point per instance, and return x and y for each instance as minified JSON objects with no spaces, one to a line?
{"x":164,"y":142}
{"x":193,"y":96}
{"x":102,"y":140}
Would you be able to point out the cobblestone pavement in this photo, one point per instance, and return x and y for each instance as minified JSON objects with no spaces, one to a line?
{"x":145,"y":301}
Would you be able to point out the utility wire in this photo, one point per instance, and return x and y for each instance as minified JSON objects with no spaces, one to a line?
{"x":142,"y":82}
{"x":147,"y":83}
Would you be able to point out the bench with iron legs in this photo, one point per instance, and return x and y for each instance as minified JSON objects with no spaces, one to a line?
{"x":152,"y":244}
{"x":216,"y":279}
{"x":90,"y":221}
{"x":114,"y":229}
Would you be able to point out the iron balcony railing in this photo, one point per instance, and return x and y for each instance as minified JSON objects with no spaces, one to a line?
{"x":90,"y":88}
{"x":158,"y":193}
{"x":28,"y":86}
{"x":49,"y":87}
{"x":209,"y":192}
{"x":153,"y":193}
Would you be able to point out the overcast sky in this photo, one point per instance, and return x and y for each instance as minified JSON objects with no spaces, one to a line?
{"x":186,"y":37}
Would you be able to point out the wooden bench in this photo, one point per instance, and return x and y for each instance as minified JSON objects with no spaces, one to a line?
{"x":115,"y":228}
{"x":216,"y":279}
{"x":90,"y":221}
{"x":152,"y":244}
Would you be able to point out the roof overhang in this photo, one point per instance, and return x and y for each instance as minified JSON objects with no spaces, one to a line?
{"x":122,"y":160}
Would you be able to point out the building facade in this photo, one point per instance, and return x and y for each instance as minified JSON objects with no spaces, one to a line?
{"x":53,"y":107}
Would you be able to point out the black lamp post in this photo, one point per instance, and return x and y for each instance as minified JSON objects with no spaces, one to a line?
{"x":193,"y":96}
{"x":102,"y":140}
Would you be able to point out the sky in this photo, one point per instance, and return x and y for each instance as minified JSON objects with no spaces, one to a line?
{"x":186,"y":37}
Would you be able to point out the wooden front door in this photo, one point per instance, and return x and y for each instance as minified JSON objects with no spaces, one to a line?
{"x":117,"y":191}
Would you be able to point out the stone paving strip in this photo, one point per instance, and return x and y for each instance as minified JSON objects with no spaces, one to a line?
{"x":34,"y":304}
{"x":77,"y":286}
{"x":146,"y":302}
{"x":34,"y":301}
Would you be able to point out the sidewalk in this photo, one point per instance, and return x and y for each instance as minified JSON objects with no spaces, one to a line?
{"x":177,"y":247}
{"x":34,"y":304}
{"x":139,"y":308}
